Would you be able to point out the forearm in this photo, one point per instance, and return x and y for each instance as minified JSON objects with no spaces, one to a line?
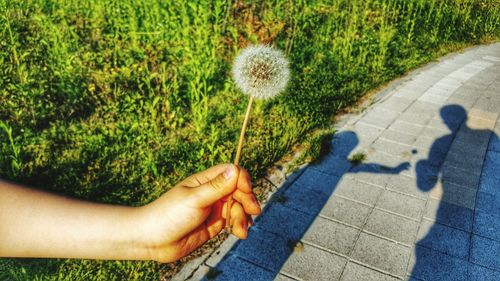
{"x":39,"y":224}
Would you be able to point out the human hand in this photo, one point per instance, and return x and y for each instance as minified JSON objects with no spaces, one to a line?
{"x":194,"y":211}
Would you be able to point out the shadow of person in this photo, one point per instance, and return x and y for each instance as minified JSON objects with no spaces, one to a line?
{"x":291,"y":212}
{"x":451,"y":173}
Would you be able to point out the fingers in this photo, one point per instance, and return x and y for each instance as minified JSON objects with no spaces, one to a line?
{"x":239,"y":221}
{"x":217,"y":188}
{"x":248,"y":201}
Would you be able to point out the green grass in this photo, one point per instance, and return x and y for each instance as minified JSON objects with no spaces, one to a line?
{"x":115,"y":101}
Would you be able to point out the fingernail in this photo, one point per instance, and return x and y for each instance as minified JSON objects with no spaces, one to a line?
{"x":229,"y":172}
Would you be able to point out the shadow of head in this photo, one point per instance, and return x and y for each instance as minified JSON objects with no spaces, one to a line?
{"x":427,"y":170}
{"x":344,"y":143}
{"x":453,"y":115}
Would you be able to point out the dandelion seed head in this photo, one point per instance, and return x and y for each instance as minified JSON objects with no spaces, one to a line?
{"x":261,"y":71}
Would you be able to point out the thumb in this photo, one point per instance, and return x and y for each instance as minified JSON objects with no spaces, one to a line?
{"x":217,"y":188}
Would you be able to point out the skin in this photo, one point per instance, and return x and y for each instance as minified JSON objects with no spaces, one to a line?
{"x":37,"y":224}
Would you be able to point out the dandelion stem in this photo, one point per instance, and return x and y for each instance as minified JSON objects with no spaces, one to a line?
{"x":237,"y":160}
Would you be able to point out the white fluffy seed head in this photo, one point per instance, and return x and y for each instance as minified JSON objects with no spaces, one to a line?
{"x":261,"y":71}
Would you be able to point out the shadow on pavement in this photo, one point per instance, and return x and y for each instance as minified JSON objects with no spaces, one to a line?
{"x":458,"y":241}
{"x":278,"y":231}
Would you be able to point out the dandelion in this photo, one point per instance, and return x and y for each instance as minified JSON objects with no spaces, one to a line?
{"x":260,"y":72}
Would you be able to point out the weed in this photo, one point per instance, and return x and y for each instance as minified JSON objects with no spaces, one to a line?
{"x":357,"y":158}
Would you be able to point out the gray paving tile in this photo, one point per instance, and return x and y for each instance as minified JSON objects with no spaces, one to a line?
{"x":310,"y":263}
{"x":449,"y":214}
{"x":444,"y":239}
{"x":302,"y":199}
{"x":344,"y":142}
{"x":331,"y":165}
{"x":356,"y":272}
{"x":398,"y":137}
{"x":406,"y":185}
{"x":392,"y":148}
{"x":454,"y":194}
{"x":346,"y":211}
{"x":359,"y":191}
{"x":331,"y":235}
{"x":382,"y":254}
{"x":466,"y":150}
{"x":392,"y":226}
{"x":480,"y":273}
{"x":459,"y":177}
{"x":488,"y":203}
{"x":233,"y":268}
{"x":380,"y":118}
{"x":407,"y":128}
{"x":262,"y":248}
{"x":427,"y":264}
{"x":485,"y":252}
{"x":401,"y":204}
{"x":284,"y":221}
{"x":415,"y":118}
{"x":487,"y":225}
{"x":316,"y":180}
{"x":396,"y":104}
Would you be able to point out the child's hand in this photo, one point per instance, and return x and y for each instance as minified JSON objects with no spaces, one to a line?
{"x":193,"y":212}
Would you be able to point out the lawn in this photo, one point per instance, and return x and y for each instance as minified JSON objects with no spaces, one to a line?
{"x":116,"y":101}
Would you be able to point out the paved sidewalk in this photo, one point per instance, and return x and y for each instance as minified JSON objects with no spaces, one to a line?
{"x":423,"y":205}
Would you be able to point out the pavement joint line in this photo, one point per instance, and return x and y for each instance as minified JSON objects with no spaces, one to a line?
{"x":374,"y":268}
{"x":356,"y":201}
{"x":291,"y":276}
{"x":363,"y":181}
{"x":399,"y":215}
{"x":490,"y":268}
{"x":312,"y":244}
{"x":339,"y":222}
{"x":387,"y":239}
{"x":447,"y":163}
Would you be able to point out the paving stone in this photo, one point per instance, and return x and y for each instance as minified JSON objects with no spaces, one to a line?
{"x":359,"y":191}
{"x":396,"y":104}
{"x":487,"y":225}
{"x":427,"y":264}
{"x":398,"y":137}
{"x":303,"y":199}
{"x":485,"y":252}
{"x":456,"y":176}
{"x":310,"y":263}
{"x":492,"y":116}
{"x":332,"y":165}
{"x":473,"y":137}
{"x":480,"y":273}
{"x":401,"y":204}
{"x":490,"y":178}
{"x":439,"y":124}
{"x":444,"y":239}
{"x":415,"y":119}
{"x":264,"y":249}
{"x":331,"y":235}
{"x":392,"y":226}
{"x":471,"y":164}
{"x":382,"y":254}
{"x":449,"y":214}
{"x":356,"y":272}
{"x":488,"y":203}
{"x":316,"y":180}
{"x":466,"y":149}
{"x":454,"y":194}
{"x":346,"y":211}
{"x":406,"y":185}
{"x":234,"y":268}
{"x":392,"y":148}
{"x":406,"y":128}
{"x":475,"y":123}
{"x":368,"y":176}
{"x":380,"y":118}
{"x":284,"y":221}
